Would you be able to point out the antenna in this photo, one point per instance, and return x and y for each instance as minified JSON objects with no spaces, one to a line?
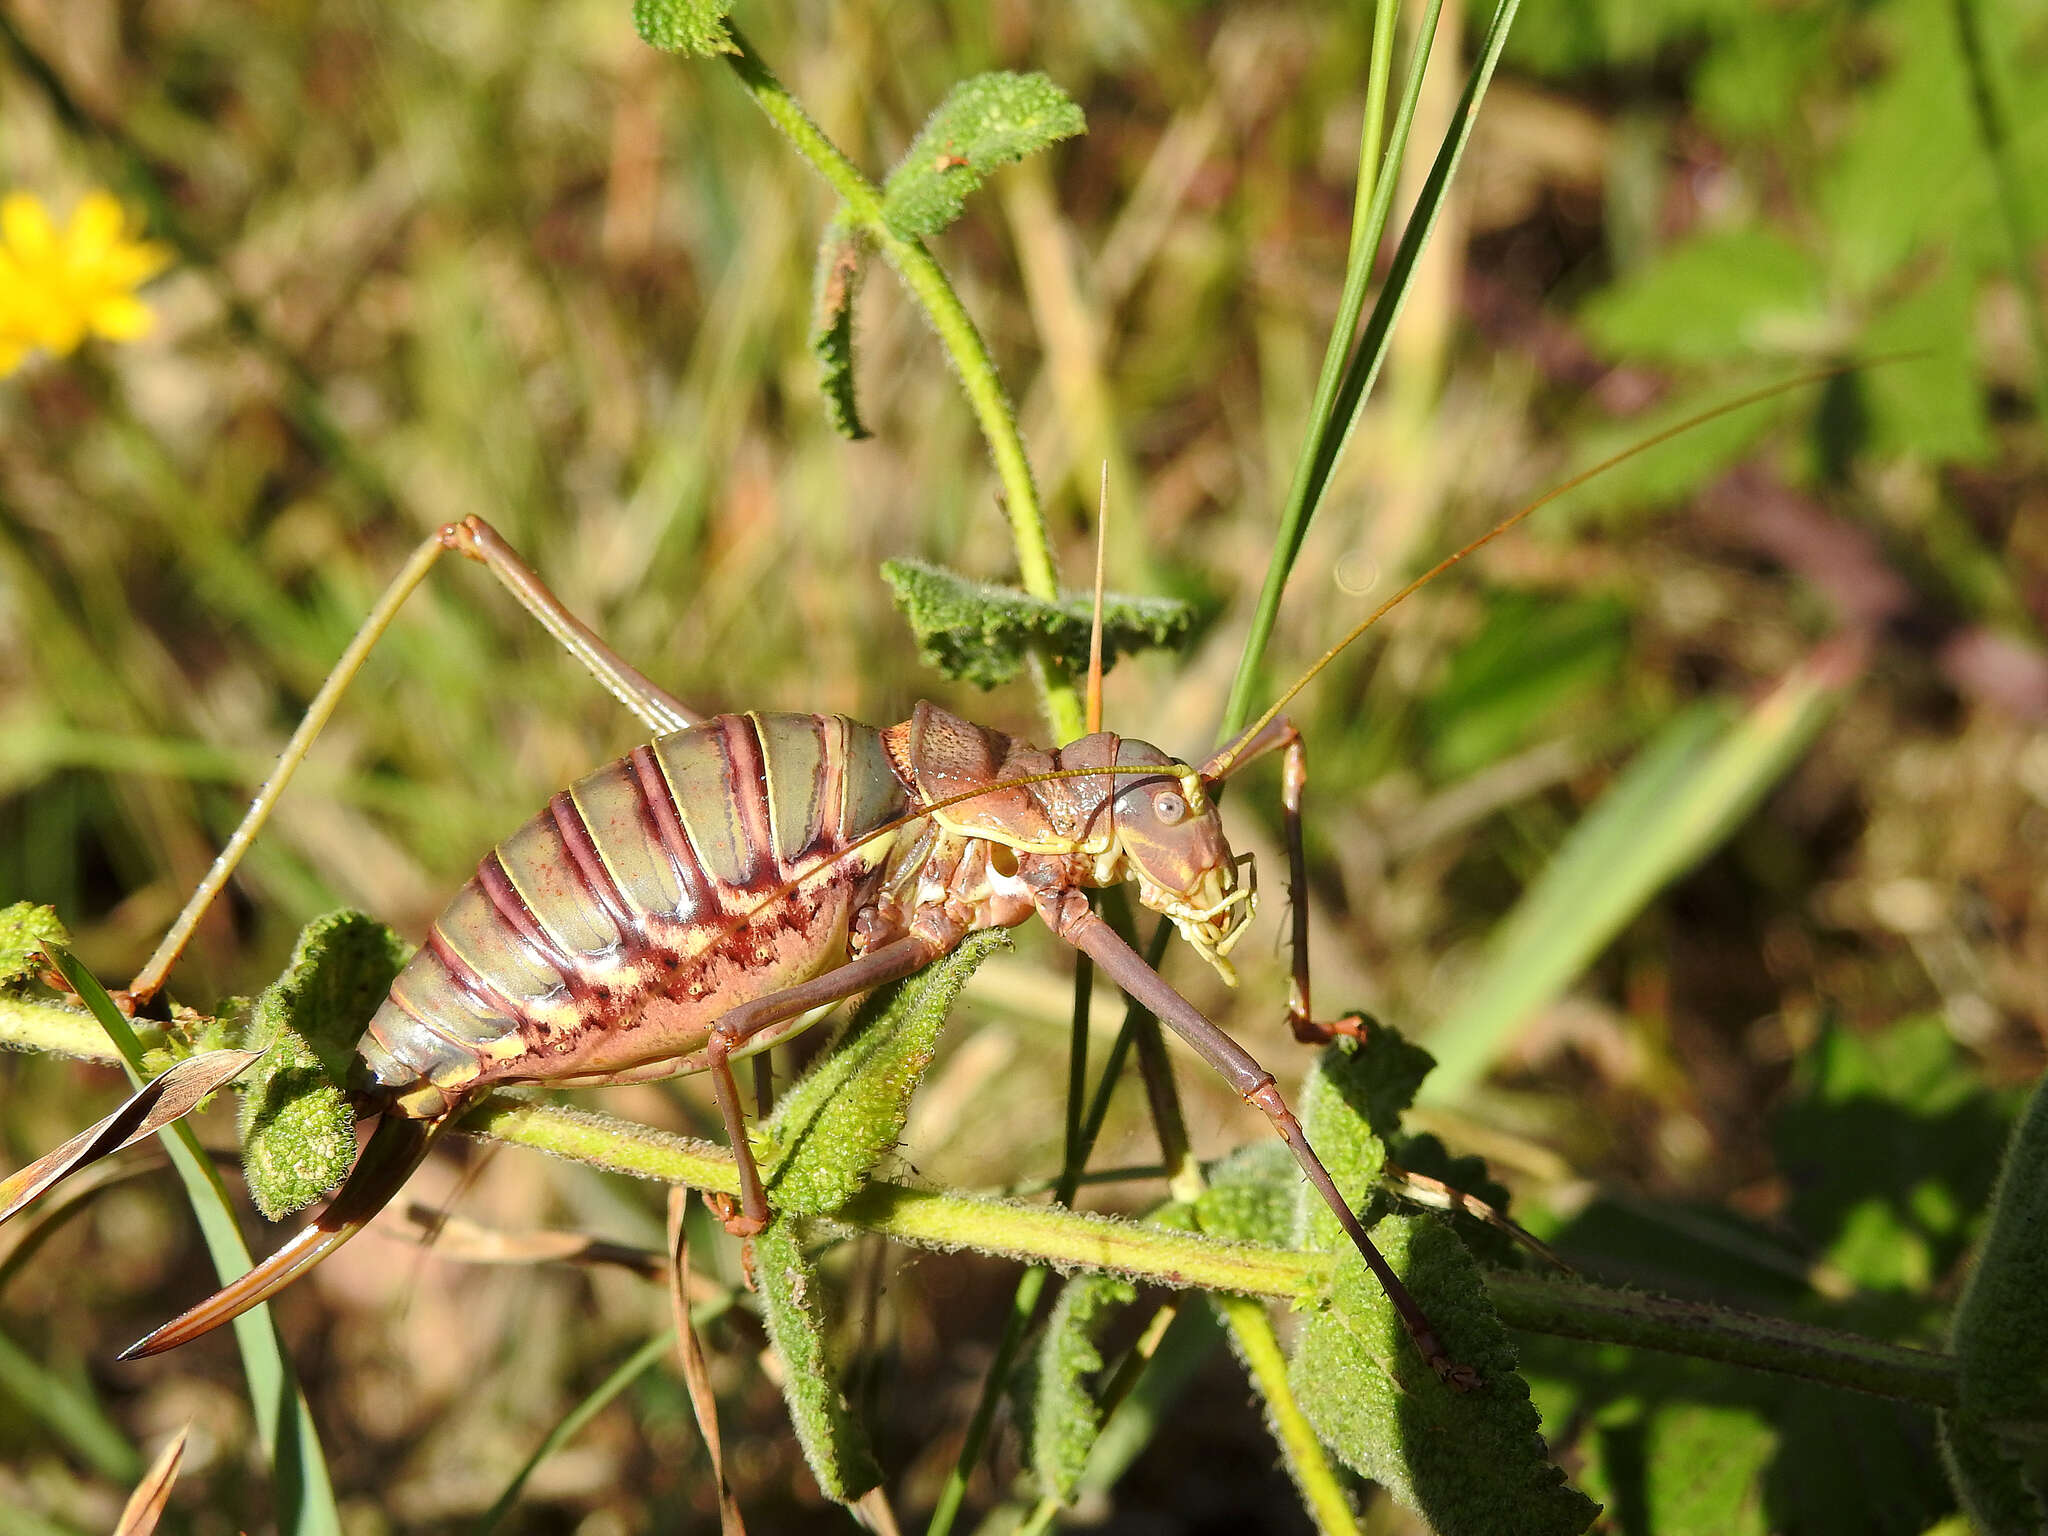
{"x":1095,"y":632}
{"x":1228,"y":757}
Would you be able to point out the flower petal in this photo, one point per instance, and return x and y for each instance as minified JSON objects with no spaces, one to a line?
{"x":25,"y":225}
{"x":95,"y":230}
{"x":119,"y":317}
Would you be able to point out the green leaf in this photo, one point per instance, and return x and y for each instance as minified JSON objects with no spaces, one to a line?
{"x":845,"y":1114}
{"x":1676,"y":802}
{"x":1997,"y":1443}
{"x":1535,"y":657}
{"x":297,"y":1129}
{"x":1054,"y":1392}
{"x":24,"y":929}
{"x":1351,"y":1103}
{"x":695,"y":27}
{"x":792,"y":1307}
{"x":973,"y":632}
{"x":1727,"y":294}
{"x":983,"y":123}
{"x":284,"y":1424}
{"x":1251,"y":1195}
{"x":1668,"y":472}
{"x":1467,"y":1462}
{"x":1896,"y":1216}
{"x":1932,"y":403}
{"x":837,"y":275}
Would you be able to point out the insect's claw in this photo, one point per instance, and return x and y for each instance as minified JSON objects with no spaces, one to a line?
{"x":1315,"y":1032}
{"x":732,"y":1218}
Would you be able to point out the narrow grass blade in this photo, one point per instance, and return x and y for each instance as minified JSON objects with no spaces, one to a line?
{"x":69,"y":1412}
{"x":1333,"y":420}
{"x":145,"y":1505}
{"x":284,"y":1424}
{"x":572,"y":1423}
{"x":1677,"y":801}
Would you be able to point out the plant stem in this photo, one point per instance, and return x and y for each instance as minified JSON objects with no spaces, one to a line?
{"x":956,"y":331}
{"x":2012,"y":202}
{"x":1259,"y":1349}
{"x":1573,"y":1309}
{"x":1072,"y":1239}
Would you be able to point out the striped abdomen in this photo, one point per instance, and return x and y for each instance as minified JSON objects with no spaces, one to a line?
{"x":612,"y":930}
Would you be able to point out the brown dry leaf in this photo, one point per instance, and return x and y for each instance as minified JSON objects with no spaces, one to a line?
{"x":695,"y":1376}
{"x":155,"y":1105}
{"x":146,"y":1504}
{"x":469,"y":1242}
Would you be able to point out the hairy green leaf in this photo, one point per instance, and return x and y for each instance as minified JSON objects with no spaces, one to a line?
{"x":695,"y":27}
{"x":1997,"y":1443}
{"x":792,"y":1306}
{"x":1251,"y":1195}
{"x":844,"y":1116}
{"x":1467,"y":1462}
{"x":838,"y":274}
{"x":983,"y":123}
{"x":1351,"y":1103}
{"x":1054,"y":1392}
{"x":24,"y":929}
{"x":973,"y":632}
{"x":298,"y":1131}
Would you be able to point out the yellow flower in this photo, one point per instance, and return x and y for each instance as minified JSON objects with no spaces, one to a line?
{"x":56,"y":287}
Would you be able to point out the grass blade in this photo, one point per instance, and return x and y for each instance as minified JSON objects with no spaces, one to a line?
{"x":572,"y":1422}
{"x":284,"y":1424}
{"x":1333,"y":420}
{"x":1677,"y":801}
{"x":69,"y":1412}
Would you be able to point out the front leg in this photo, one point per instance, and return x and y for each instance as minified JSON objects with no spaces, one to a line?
{"x":1280,"y":735}
{"x":887,"y":963}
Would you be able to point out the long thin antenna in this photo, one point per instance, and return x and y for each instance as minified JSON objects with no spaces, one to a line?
{"x":1220,"y":765}
{"x":1095,"y":633}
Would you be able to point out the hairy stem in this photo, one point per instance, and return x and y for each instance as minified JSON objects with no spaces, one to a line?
{"x":1066,"y":1239}
{"x":956,"y":331}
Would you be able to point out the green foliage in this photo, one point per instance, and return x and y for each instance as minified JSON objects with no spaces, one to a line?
{"x":1251,"y":1195}
{"x":1467,"y":1462}
{"x":984,"y":123}
{"x":1887,"y":1143}
{"x":1720,"y":295}
{"x":831,"y":1129}
{"x":684,"y":26}
{"x":1535,"y":658}
{"x":1897,"y":1215}
{"x":1057,"y":1413}
{"x":974,"y":632}
{"x":1997,"y":1441}
{"x":1350,"y":1105}
{"x":24,"y":929}
{"x":297,"y":1129}
{"x":1681,"y":796}
{"x":838,"y":274}
{"x":792,"y":1305}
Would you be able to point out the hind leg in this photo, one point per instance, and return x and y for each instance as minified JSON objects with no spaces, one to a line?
{"x":476,"y":539}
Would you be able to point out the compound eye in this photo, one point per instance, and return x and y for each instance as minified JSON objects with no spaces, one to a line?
{"x":1170,"y":807}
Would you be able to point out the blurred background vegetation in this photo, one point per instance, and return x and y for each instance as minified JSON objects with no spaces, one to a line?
{"x":501,"y":258}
